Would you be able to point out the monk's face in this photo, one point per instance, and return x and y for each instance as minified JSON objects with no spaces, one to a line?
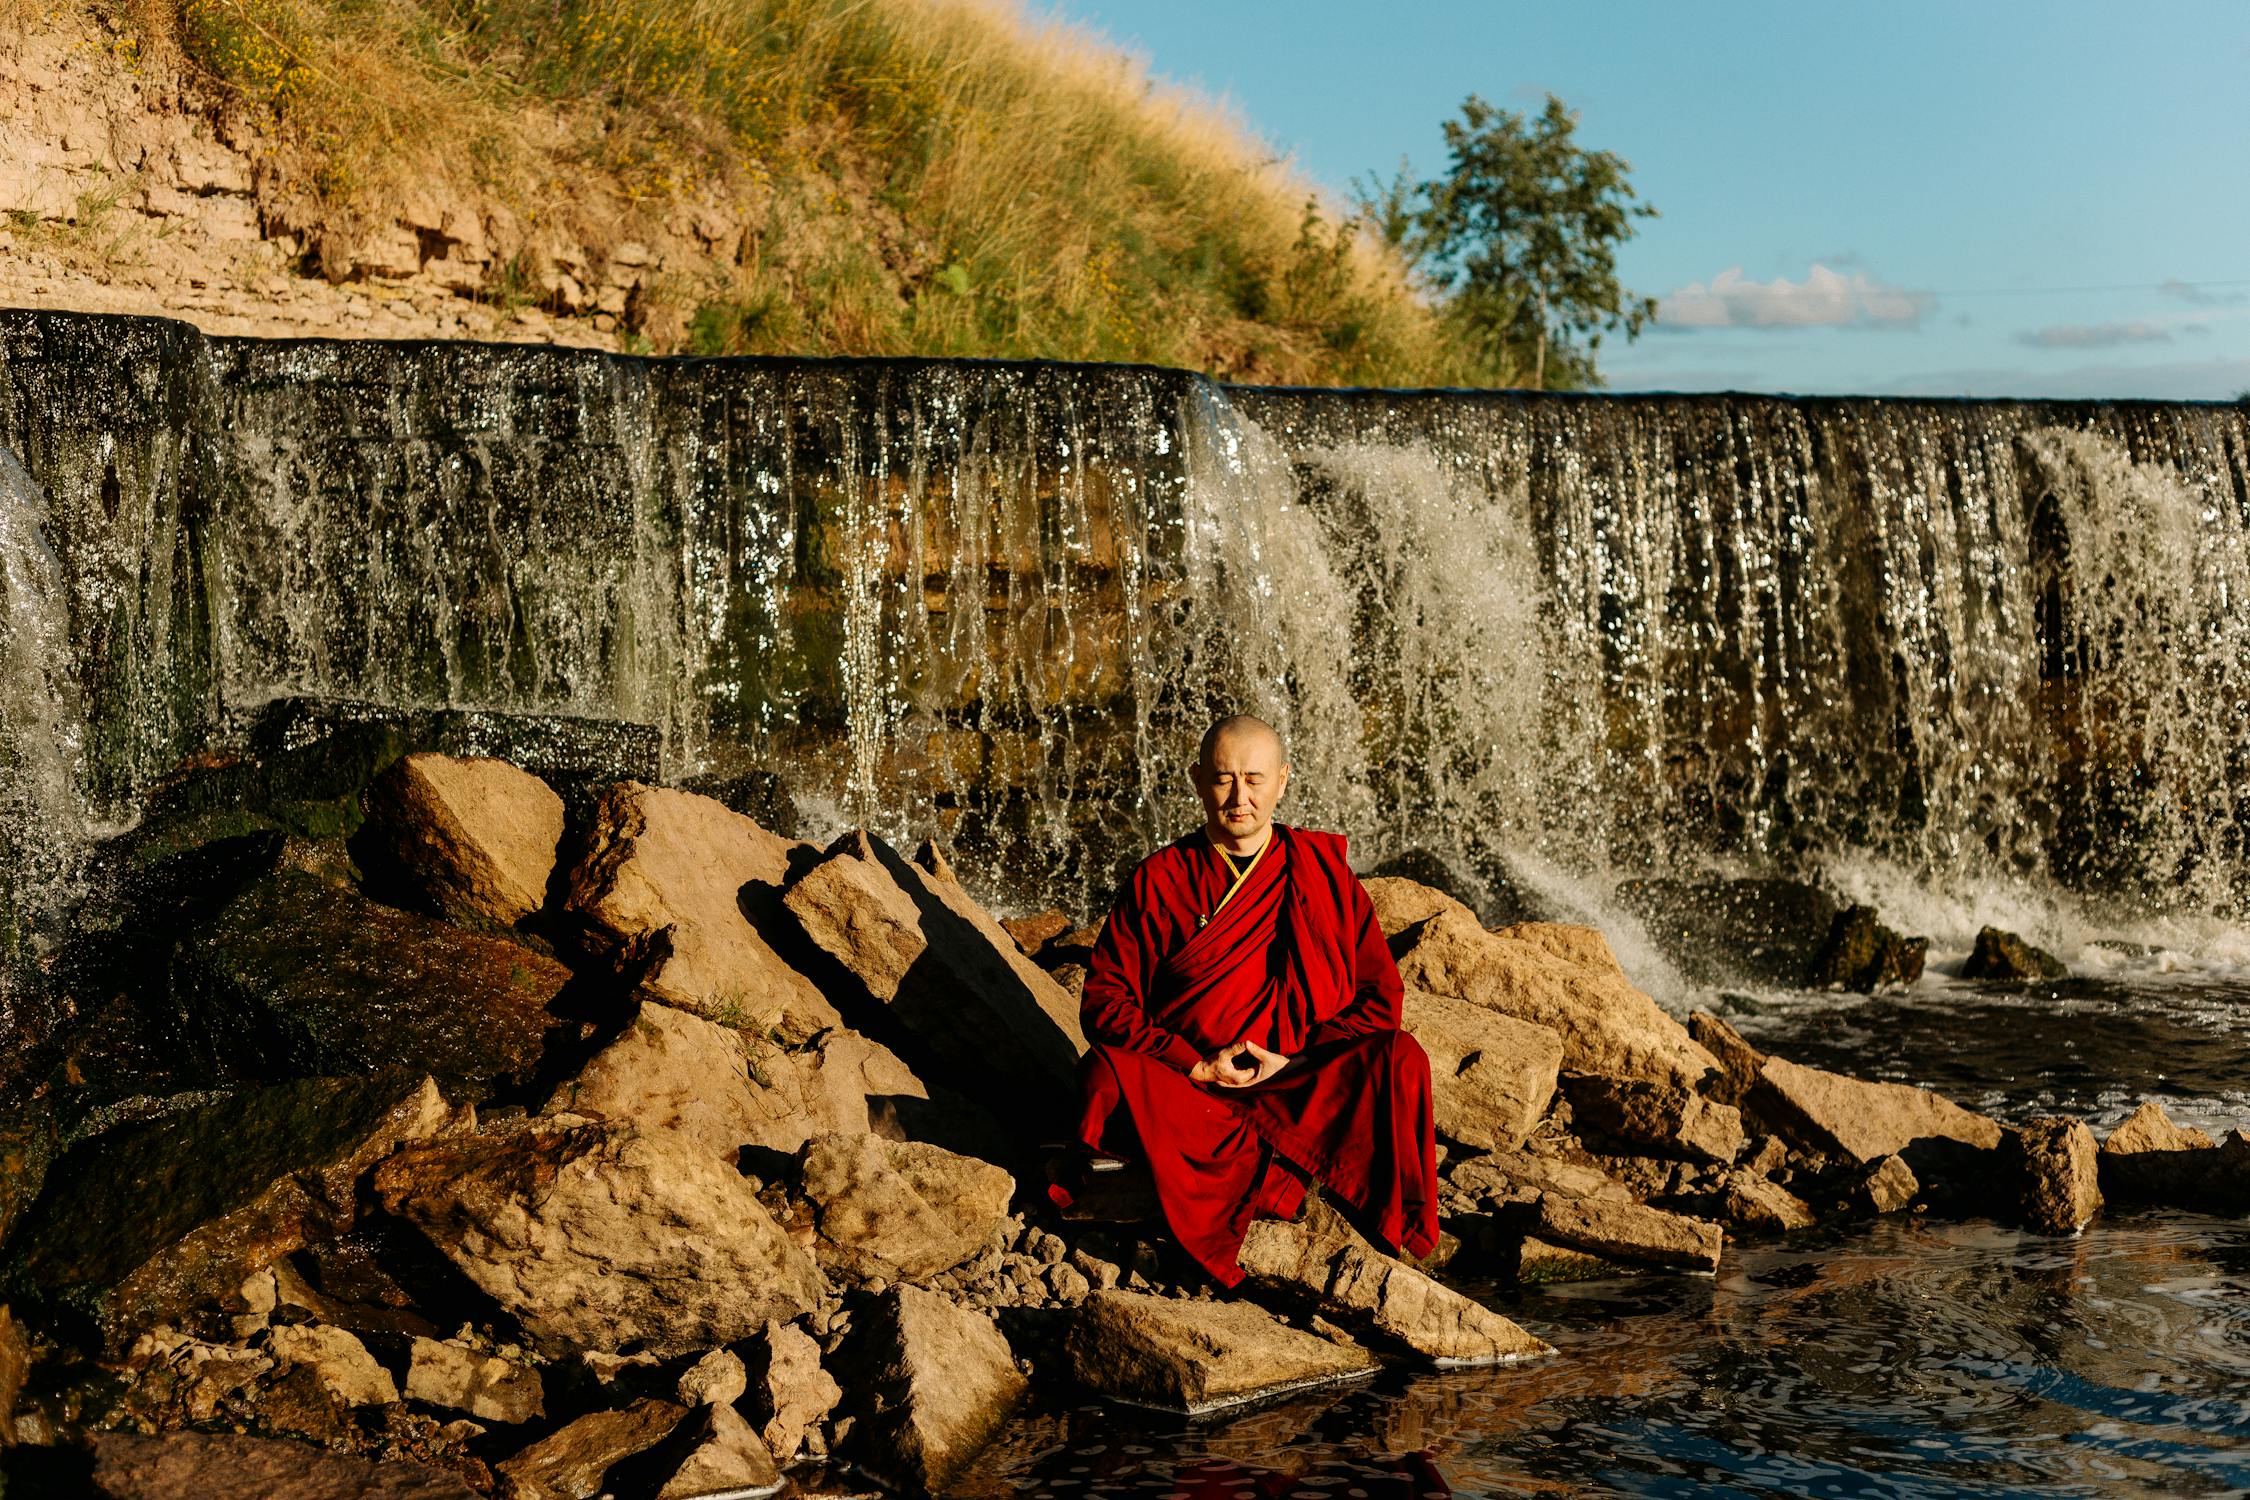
{"x":1241,"y":786}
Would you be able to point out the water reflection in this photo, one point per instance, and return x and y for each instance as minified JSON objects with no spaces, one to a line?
{"x":1906,"y":1359}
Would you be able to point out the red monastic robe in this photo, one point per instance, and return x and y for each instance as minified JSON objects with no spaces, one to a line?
{"x":1292,"y":959}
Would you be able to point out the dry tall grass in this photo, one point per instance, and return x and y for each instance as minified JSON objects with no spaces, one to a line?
{"x":928,"y":176}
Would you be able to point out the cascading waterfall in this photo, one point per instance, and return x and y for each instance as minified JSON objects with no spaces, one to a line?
{"x":1564,"y":641}
{"x":44,"y":827}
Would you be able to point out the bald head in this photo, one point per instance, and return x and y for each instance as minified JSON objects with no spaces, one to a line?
{"x":1239,"y":774}
{"x":1243,"y":731}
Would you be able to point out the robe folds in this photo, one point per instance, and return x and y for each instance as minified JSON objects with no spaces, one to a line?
{"x":1291,"y":958}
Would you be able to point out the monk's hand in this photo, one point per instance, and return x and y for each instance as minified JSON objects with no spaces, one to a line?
{"x":1268,"y":1064}
{"x":1224,"y":1069}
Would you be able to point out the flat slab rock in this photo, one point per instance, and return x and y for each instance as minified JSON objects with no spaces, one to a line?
{"x":297,"y":977}
{"x":222,"y":1466}
{"x":1376,"y":1297}
{"x":1865,"y":1121}
{"x":598,"y":1237}
{"x":141,"y":1224}
{"x":568,"y":1463}
{"x":1629,"y":1232}
{"x":1660,"y":1117}
{"x":1196,"y":1357}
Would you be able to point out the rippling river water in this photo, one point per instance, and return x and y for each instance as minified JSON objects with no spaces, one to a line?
{"x":1908,"y":1357}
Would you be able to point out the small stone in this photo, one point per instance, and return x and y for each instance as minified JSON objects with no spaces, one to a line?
{"x":339,"y":1361}
{"x":2057,"y":1160}
{"x":461,"y":1378}
{"x":718,"y":1378}
{"x":1888,"y":1186}
{"x":1067,"y":1283}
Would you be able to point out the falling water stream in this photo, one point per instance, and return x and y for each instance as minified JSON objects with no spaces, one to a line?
{"x":1972,"y":661}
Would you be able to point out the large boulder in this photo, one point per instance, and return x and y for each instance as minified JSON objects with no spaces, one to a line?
{"x":1321,"y":1261}
{"x":901,"y":1210}
{"x":296,"y":977}
{"x":1491,"y":1075}
{"x":2057,"y":1173}
{"x":1401,"y":904}
{"x":228,"y":1466}
{"x":599,"y":1237}
{"x":1629,"y":1232}
{"x":945,"y":970}
{"x":1739,"y":1062}
{"x":1663,"y":1118}
{"x":568,"y":1463}
{"x":1561,"y":977}
{"x":1195,"y":1357}
{"x":142,"y":1223}
{"x":1863,"y":954}
{"x":2002,"y":956}
{"x":674,"y":1071}
{"x":681,"y":890}
{"x":474,"y":838}
{"x":1859,"y":1120}
{"x":930,"y":1383}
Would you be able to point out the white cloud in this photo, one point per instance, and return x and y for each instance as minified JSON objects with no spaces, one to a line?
{"x":1826,"y":298}
{"x":2095,"y":335}
{"x":2195,"y":295}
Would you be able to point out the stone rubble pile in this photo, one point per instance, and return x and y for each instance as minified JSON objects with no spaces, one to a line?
{"x":552,"y":1146}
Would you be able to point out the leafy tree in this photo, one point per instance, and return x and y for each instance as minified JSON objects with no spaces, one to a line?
{"x":1521,"y":235}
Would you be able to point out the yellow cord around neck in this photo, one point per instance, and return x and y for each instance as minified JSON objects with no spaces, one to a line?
{"x":1240,"y":876}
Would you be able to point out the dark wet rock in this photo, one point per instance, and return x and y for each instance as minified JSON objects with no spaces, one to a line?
{"x":1739,"y":1062}
{"x":945,"y":971}
{"x":1195,"y":1357}
{"x":1765,"y":930}
{"x":1659,"y":1117}
{"x":1320,"y":1262}
{"x":598,"y":1237}
{"x":927,"y":1385}
{"x":297,"y":977}
{"x":29,"y":1141}
{"x":1629,"y":1232}
{"x":761,"y":796}
{"x":901,"y":1210}
{"x":2057,"y":1173}
{"x":139,"y":1225}
{"x":2002,"y":955}
{"x":472,"y":840}
{"x":1491,"y":1075}
{"x":458,"y":1378}
{"x":1860,"y":1120}
{"x":1864,"y":955}
{"x":223,"y":1466}
{"x":15,"y":1366}
{"x":570,"y":1462}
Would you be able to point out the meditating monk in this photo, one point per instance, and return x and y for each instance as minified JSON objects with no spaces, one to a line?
{"x":1243,"y":1011}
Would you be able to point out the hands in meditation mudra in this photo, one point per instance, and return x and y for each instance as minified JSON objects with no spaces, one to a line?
{"x":1243,"y":1014}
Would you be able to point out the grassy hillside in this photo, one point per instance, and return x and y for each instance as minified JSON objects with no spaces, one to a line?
{"x":911,"y":176}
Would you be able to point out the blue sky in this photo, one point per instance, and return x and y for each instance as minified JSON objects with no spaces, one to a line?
{"x":1965,"y":199}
